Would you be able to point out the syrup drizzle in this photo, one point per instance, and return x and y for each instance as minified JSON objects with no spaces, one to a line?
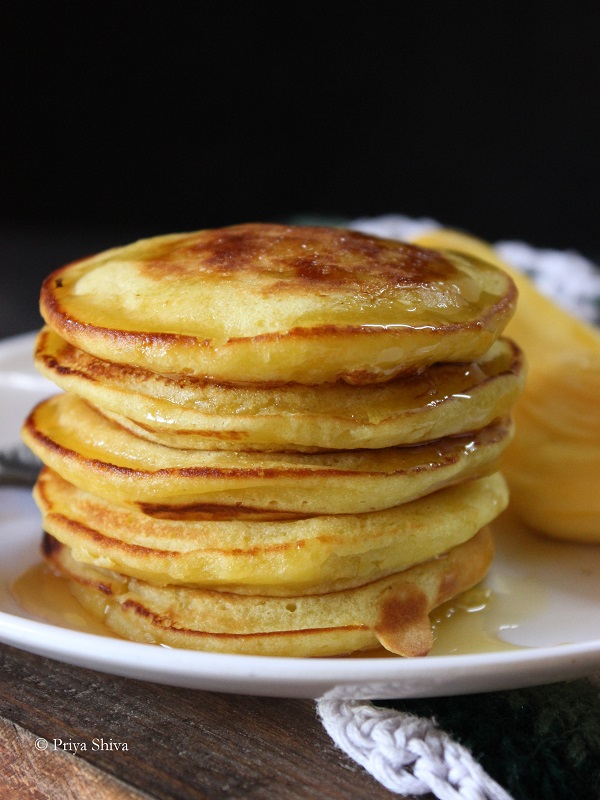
{"x":470,"y":623}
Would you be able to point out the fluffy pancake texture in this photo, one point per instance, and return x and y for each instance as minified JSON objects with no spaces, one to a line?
{"x":392,"y":611}
{"x":98,"y":455}
{"x":319,"y":553}
{"x":188,"y":412}
{"x":272,"y":439}
{"x":265,"y":303}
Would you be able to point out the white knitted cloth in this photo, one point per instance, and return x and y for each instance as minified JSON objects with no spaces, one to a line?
{"x":407,"y":754}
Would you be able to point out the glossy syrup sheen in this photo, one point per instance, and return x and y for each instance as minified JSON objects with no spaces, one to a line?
{"x":46,"y":596}
{"x":304,"y":276}
{"x":471,"y":623}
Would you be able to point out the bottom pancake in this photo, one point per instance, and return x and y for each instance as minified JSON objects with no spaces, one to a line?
{"x":392,"y":611}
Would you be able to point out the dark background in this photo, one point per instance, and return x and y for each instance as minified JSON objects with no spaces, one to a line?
{"x":129,"y":119}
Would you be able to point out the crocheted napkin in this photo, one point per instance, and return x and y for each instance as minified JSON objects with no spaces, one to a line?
{"x":540,"y":743}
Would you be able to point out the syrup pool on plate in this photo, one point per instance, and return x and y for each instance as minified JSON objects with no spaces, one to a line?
{"x":470,"y":623}
{"x":475,"y":621}
{"x":532,"y":580}
{"x":46,"y":596}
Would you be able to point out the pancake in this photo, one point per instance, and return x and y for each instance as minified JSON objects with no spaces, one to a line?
{"x":99,"y":456}
{"x":392,"y":611}
{"x":188,"y":412}
{"x":273,"y":439}
{"x":275,"y":303}
{"x":310,"y":555}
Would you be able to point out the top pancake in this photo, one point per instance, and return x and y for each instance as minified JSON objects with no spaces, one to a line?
{"x":265,"y":303}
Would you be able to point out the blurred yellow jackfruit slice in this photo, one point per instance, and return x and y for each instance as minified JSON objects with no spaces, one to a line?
{"x":553,"y":464}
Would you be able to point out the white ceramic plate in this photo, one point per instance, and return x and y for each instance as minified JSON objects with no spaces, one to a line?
{"x":547,"y":605}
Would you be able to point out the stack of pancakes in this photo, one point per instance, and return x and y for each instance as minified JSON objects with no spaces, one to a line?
{"x":273,"y":439}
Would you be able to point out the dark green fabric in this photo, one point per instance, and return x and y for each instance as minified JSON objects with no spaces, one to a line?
{"x":539,"y":744}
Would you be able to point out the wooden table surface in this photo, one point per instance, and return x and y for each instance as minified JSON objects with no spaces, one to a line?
{"x":180,"y":743}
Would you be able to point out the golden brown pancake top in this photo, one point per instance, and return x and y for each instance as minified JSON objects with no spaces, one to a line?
{"x":300,"y":257}
{"x":265,"y":302}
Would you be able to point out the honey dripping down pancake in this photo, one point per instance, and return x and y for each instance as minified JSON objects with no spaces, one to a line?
{"x":99,"y":456}
{"x":264,"y":303}
{"x":187,"y":412}
{"x":392,"y":611}
{"x":273,"y":439}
